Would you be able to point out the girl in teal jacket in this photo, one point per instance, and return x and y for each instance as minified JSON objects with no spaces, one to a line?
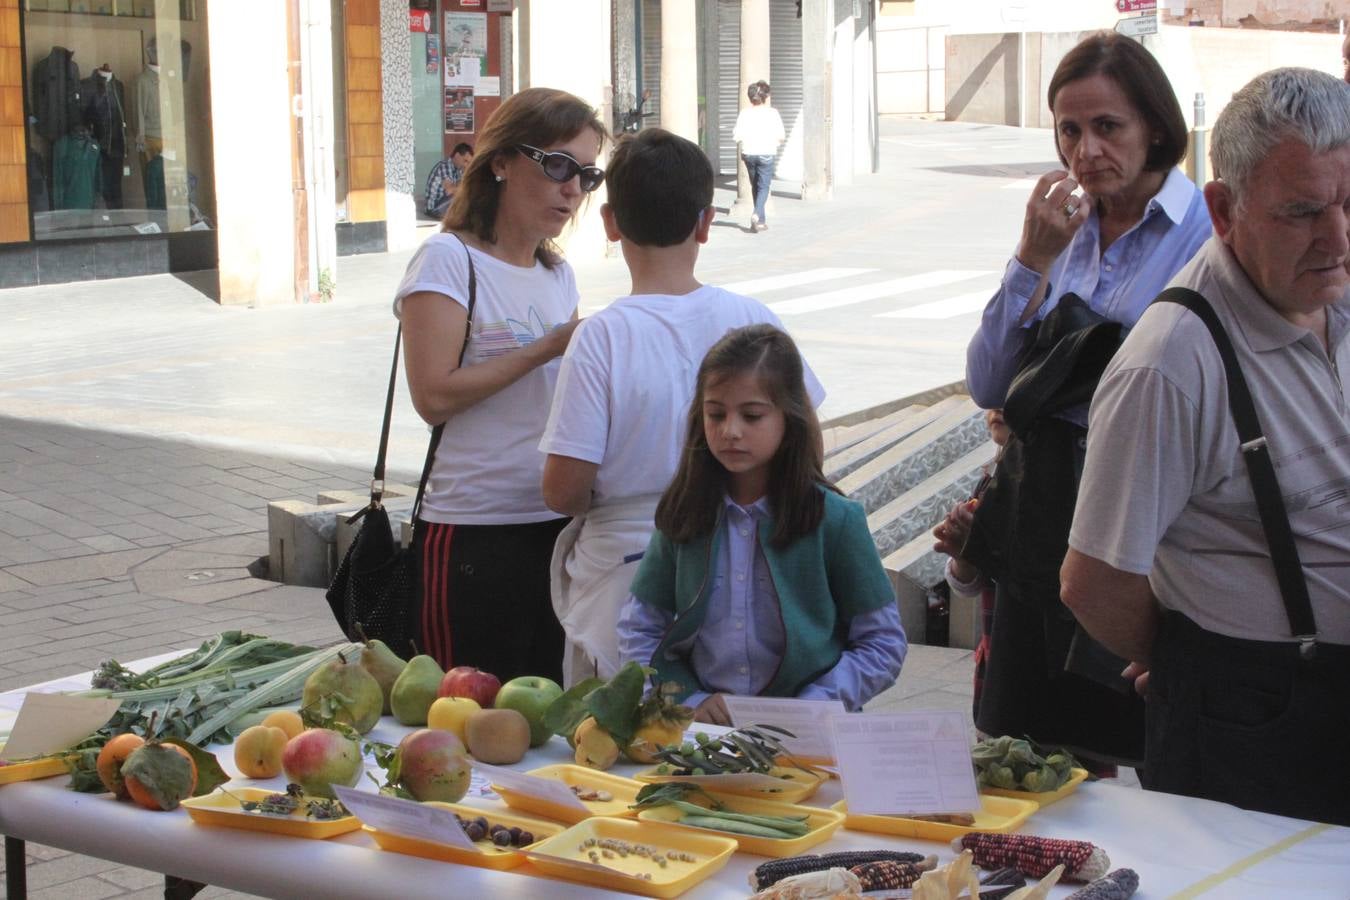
{"x":761,"y":579}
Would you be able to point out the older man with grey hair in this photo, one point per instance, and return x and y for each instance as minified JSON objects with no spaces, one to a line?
{"x":1240,"y":624}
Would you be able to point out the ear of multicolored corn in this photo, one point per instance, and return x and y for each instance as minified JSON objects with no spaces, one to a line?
{"x":1118,"y":885}
{"x":884,"y":874}
{"x":776,"y":870}
{"x":834,"y":882}
{"x":1035,"y":856}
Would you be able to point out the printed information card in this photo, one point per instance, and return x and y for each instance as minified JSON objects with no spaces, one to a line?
{"x":406,"y":818}
{"x":809,"y":720}
{"x":915,"y":762}
{"x":550,"y":790}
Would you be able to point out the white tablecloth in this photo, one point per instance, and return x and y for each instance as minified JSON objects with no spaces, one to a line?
{"x":1181,"y":847}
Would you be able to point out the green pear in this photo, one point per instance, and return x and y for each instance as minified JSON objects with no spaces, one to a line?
{"x":344,"y":692}
{"x":415,"y":690}
{"x":384,"y":664}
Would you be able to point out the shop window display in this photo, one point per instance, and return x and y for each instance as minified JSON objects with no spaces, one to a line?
{"x":119,"y":125}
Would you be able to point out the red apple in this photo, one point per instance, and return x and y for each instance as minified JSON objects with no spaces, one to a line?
{"x":432,"y":765}
{"x":466,"y":681}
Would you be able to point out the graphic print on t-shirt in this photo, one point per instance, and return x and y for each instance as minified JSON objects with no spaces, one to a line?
{"x":495,"y":338}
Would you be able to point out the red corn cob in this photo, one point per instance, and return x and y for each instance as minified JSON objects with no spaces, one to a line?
{"x":1035,"y":856}
{"x":889,"y":874}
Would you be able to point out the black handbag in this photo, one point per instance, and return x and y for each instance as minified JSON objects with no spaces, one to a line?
{"x":1019,"y":535}
{"x":1012,"y":540}
{"x":376,"y":592}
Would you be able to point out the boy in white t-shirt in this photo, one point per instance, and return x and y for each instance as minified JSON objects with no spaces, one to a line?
{"x":616,"y":425}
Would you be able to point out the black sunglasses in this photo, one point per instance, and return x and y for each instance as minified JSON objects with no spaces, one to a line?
{"x":561,"y":167}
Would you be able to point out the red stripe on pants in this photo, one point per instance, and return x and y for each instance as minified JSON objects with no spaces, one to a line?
{"x":436,"y":592}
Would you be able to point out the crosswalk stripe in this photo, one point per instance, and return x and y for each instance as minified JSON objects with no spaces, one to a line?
{"x":943,"y":309}
{"x":863,"y":293}
{"x":793,"y":279}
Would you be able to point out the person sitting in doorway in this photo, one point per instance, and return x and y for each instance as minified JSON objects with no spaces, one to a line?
{"x":444,"y":180}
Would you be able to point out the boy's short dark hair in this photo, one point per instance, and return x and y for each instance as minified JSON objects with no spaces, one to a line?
{"x":462,"y":147}
{"x":659,"y":184}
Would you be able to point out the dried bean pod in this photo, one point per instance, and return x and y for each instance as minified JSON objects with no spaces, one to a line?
{"x":1035,"y":856}
{"x":1118,"y":885}
{"x":776,"y":870}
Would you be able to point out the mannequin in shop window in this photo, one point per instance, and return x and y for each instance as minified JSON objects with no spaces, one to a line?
{"x":150,"y":127}
{"x":56,"y":106}
{"x":103,"y":98}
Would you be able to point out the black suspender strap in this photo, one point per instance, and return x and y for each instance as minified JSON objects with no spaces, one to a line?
{"x":377,"y":478}
{"x":1265,"y":485}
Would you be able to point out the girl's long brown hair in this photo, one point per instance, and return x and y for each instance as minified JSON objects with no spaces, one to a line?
{"x":539,"y":117}
{"x":690,"y":506}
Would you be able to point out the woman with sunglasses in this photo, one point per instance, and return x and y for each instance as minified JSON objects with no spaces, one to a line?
{"x":484,"y":534}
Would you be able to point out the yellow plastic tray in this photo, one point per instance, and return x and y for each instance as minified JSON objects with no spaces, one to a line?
{"x":218,"y":808}
{"x":564,"y":856}
{"x":1045,"y":798}
{"x":994,"y":814}
{"x":822,"y":822}
{"x":489,"y":857}
{"x":624,"y":791}
{"x":46,"y":767}
{"x":784,"y":784}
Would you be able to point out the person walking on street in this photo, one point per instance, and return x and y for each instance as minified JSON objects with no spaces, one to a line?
{"x":759,"y":131}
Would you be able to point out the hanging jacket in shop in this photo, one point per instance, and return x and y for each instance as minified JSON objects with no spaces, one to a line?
{"x":75,"y":178}
{"x":56,"y":93}
{"x":104,"y":113}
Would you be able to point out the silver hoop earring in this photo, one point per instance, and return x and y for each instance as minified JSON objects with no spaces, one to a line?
{"x":499,"y":178}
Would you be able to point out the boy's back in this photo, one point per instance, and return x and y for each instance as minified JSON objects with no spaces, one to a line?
{"x":623,"y":391}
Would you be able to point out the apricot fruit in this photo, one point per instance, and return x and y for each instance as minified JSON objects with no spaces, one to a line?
{"x":258,"y":750}
{"x":288,"y":720}
{"x":111,"y":758}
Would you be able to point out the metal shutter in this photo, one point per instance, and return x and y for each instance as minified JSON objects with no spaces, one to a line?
{"x":650,"y":11}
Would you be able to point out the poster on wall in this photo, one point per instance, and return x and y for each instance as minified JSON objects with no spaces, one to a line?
{"x":458,"y":109}
{"x":466,"y":42}
{"x":433,"y":53}
{"x":501,"y":6}
{"x":490,"y":86}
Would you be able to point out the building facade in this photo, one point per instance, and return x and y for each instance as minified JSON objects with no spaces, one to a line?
{"x":267,"y":139}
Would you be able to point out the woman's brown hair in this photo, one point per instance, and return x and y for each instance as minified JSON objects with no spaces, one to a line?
{"x":691,"y":504}
{"x":1139,"y":75}
{"x":539,"y":117}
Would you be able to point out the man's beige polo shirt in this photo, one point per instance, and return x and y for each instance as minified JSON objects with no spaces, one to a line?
{"x":1165,"y":491}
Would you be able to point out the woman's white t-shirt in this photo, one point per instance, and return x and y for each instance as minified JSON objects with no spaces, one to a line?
{"x":488,"y":467}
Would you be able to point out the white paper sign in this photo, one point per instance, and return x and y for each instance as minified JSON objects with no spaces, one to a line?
{"x":406,"y":818}
{"x":547,"y":789}
{"x":490,"y":86}
{"x":50,"y":723}
{"x":809,"y":720}
{"x":917,"y":762}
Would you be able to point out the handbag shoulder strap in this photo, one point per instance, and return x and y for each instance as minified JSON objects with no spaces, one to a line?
{"x":377,"y":477}
{"x":1265,"y":484}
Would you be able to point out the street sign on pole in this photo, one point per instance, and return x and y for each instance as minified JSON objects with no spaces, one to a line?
{"x":1134,"y":6}
{"x":1138,"y":26}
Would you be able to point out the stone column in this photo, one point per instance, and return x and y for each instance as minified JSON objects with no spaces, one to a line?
{"x":255,"y":221}
{"x":679,"y":68}
{"x":754,"y":66}
{"x":580,"y":65}
{"x":817,"y":94}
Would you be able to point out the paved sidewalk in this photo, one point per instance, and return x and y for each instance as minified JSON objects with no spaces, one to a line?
{"x":123,"y":546}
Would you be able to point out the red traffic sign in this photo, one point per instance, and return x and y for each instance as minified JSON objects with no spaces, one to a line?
{"x":1133,"y":6}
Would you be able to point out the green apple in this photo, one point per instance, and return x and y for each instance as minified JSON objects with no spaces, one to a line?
{"x":530,"y":695}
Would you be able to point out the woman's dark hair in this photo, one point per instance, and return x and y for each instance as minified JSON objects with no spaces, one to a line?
{"x":539,"y":117}
{"x":758,"y":92}
{"x":1136,"y":72}
{"x":691,"y":504}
